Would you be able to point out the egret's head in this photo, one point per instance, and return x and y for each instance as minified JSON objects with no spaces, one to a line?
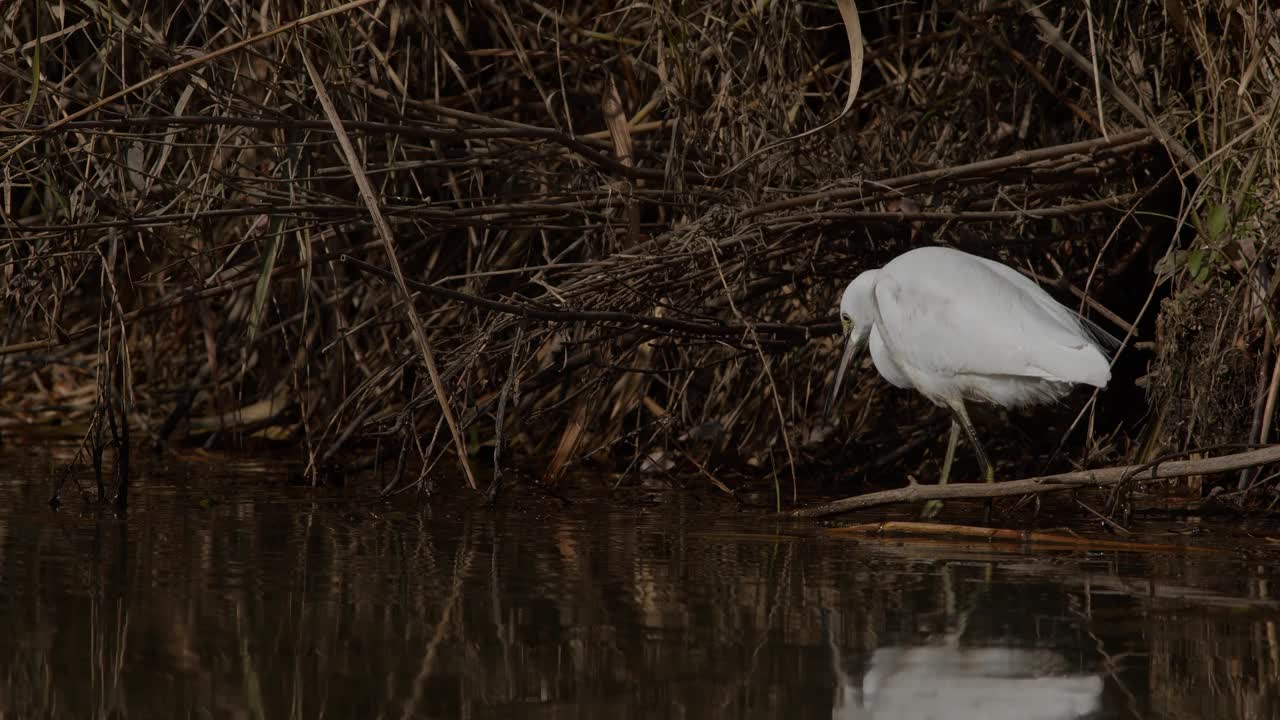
{"x":857,"y":307}
{"x":857,"y":312}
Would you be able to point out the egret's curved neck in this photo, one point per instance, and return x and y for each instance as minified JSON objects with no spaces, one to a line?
{"x":859,"y":303}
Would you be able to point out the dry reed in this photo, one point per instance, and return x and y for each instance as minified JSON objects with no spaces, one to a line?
{"x":611,"y":249}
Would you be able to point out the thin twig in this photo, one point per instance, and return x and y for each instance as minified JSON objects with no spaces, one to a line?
{"x":495,"y":486}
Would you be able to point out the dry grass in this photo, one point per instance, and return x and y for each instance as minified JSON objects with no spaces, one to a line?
{"x":184,"y":238}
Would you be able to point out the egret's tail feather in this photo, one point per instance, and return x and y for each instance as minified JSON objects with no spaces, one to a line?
{"x":1105,"y":340}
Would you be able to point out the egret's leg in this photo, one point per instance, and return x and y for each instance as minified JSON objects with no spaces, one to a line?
{"x":932,"y":507}
{"x":988,"y":472}
{"x":963,"y":416}
{"x":952,"y":441}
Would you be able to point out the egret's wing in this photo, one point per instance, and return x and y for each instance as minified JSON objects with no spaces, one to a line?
{"x":1065,"y":315}
{"x":962,"y":318}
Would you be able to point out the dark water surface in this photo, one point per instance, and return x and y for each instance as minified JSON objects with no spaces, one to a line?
{"x":227,"y":593}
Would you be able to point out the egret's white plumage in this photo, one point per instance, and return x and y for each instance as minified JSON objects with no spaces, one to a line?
{"x":957,"y":328}
{"x":883,"y":361}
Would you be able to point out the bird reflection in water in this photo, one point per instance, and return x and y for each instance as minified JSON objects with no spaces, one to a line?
{"x":944,"y":681}
{"x":992,"y":683}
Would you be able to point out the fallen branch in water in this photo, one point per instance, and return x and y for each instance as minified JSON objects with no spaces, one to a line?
{"x":963,"y":532}
{"x":1101,"y":477}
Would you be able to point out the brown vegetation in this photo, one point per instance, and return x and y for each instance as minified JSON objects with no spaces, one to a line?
{"x":212,"y":221}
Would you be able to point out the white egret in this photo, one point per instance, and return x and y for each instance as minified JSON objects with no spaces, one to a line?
{"x":959,"y":328}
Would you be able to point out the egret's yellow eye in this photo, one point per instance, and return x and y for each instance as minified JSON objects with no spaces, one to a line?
{"x":846,"y":322}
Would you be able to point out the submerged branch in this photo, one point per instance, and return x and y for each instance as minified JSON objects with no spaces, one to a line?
{"x":944,"y":531}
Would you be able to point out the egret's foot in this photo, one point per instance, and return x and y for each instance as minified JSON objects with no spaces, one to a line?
{"x":931,"y":508}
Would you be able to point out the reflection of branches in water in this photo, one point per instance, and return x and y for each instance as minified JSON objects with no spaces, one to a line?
{"x":1234,"y":675}
{"x":36,"y":682}
{"x":784,"y":581}
{"x":344,"y":613}
{"x":462,"y":567}
{"x":1111,"y":664}
{"x":1148,"y":589}
{"x":1230,"y":674}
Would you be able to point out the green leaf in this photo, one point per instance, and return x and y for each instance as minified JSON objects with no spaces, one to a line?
{"x":1195,"y":261}
{"x":1170,"y":263}
{"x":262,"y":289}
{"x":35,"y":71}
{"x":1216,"y":223}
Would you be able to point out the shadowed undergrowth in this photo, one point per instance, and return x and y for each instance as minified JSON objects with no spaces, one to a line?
{"x":614,"y":260}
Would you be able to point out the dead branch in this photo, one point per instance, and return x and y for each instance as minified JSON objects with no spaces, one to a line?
{"x":1051,"y":35}
{"x":1102,"y":477}
{"x":589,"y":316}
{"x":982,"y":167}
{"x":967,"y":532}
